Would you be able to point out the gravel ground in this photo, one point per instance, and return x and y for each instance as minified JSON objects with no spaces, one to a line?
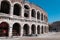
{"x":49,"y":36}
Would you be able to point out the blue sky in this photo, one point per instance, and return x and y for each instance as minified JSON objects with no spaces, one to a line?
{"x":52,"y":7}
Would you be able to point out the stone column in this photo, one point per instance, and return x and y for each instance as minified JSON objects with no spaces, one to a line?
{"x":21,"y":30}
{"x":11,"y":11}
{"x":44,"y":29}
{"x":47,"y":29}
{"x":40,"y":29}
{"x":22,"y":12}
{"x":0,"y":4}
{"x":10,"y":30}
{"x":30,"y":30}
{"x":30,"y":14}
{"x":36,"y":29}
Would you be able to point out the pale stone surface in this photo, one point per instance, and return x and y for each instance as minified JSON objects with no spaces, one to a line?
{"x":49,"y":36}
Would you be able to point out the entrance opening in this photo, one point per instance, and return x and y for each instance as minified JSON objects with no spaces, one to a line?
{"x":42,"y":16}
{"x":25,"y":30}
{"x":33,"y":28}
{"x":5,"y":7}
{"x":4,"y":29}
{"x":26,"y":11}
{"x":26,"y":6}
{"x":42,"y":30}
{"x":16,"y":29}
{"x":17,"y":9}
{"x":38,"y":29}
{"x":38,"y":15}
{"x":33,"y":13}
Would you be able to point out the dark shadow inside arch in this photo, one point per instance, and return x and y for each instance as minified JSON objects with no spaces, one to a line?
{"x":16,"y":29}
{"x":38,"y":29}
{"x":33,"y":29}
{"x":17,"y":9}
{"x":38,"y":15}
{"x":5,"y":7}
{"x":33,"y":13}
{"x":42,"y":30}
{"x":26,"y":7}
{"x":26,"y":30}
{"x":4,"y":29}
{"x":26,"y":11}
{"x":42,"y":16}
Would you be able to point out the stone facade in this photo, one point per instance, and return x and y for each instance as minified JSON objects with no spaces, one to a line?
{"x":18,"y":18}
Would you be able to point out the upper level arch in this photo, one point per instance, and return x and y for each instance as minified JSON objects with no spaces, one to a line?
{"x":5,"y":6}
{"x":33,"y":13}
{"x":42,"y":17}
{"x":38,"y":14}
{"x":17,"y":9}
{"x":26,"y":10}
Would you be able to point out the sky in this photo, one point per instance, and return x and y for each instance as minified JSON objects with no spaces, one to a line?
{"x":52,"y":7}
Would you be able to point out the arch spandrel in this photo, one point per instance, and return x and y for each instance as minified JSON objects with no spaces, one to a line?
{"x":15,"y":1}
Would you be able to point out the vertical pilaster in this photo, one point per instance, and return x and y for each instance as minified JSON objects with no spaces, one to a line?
{"x":0,"y":4}
{"x":43,"y":29}
{"x":11,"y":11}
{"x":10,"y":31}
{"x":21,"y":30}
{"x":47,"y":29}
{"x":30,"y":30}
{"x":22,"y":12}
{"x":40,"y":29}
{"x":30,"y":14}
{"x":36,"y":29}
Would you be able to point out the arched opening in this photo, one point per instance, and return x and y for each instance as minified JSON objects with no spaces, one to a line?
{"x":33,"y":28}
{"x":26,"y":7}
{"x":42,"y":30}
{"x":38,"y":15}
{"x":38,"y":29}
{"x":42,"y":16}
{"x":16,"y":29}
{"x":33,"y":13}
{"x":5,"y":7}
{"x":26,"y":11}
{"x":26,"y":30}
{"x":17,"y":9}
{"x":4,"y":29}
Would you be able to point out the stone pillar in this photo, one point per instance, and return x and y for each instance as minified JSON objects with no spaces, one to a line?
{"x":36,"y":16}
{"x":10,"y":31}
{"x":44,"y":29}
{"x":30,"y":30}
{"x":47,"y":28}
{"x":30,"y":14}
{"x":11,"y":11}
{"x":21,"y":30}
{"x":0,"y":4}
{"x":22,"y":11}
{"x":36,"y":29}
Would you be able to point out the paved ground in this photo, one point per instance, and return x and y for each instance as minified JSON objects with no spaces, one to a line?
{"x":49,"y":36}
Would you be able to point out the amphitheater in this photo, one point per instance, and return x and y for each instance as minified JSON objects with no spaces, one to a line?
{"x":19,"y":18}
